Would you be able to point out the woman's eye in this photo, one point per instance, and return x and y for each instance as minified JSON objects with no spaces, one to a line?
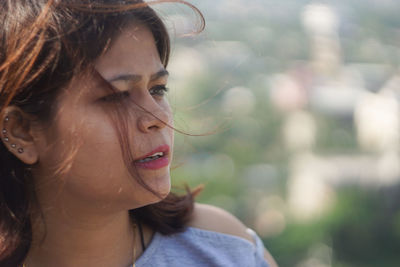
{"x":116,"y":97}
{"x":158,"y":90}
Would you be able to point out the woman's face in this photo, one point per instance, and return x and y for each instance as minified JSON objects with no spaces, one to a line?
{"x":83,"y":132}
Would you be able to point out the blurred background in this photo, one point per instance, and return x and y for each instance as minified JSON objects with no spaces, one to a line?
{"x":297,"y":106}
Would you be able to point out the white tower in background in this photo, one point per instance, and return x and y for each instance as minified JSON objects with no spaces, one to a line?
{"x":322,"y":23}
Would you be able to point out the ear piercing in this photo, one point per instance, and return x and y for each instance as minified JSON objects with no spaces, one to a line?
{"x":4,"y":131}
{"x":6,"y":139}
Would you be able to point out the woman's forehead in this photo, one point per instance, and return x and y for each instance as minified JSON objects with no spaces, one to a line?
{"x":133,"y":52}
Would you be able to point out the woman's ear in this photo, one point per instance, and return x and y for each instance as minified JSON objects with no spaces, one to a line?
{"x":16,"y":134}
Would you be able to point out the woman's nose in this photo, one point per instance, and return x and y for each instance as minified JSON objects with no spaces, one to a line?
{"x":153,"y":120}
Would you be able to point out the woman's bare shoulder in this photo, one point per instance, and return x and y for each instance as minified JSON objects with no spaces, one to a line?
{"x":215,"y":219}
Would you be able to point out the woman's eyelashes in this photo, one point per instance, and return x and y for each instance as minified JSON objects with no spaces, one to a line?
{"x":158,"y":90}
{"x":115,"y":97}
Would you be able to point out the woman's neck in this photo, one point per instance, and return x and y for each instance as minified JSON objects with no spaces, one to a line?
{"x":71,"y":231}
{"x":78,"y":241}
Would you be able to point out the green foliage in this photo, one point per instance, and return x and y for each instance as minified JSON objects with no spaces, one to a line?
{"x":362,"y":230}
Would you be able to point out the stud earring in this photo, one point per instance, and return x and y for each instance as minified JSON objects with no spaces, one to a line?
{"x":4,"y":131}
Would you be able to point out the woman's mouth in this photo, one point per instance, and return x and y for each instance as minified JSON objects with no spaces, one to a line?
{"x":156,"y":159}
{"x":152,"y":157}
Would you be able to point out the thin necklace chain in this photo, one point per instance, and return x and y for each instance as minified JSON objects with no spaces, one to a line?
{"x":134,"y":244}
{"x":134,"y":247}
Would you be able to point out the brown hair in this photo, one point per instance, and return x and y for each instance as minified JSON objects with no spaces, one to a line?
{"x":43,"y":45}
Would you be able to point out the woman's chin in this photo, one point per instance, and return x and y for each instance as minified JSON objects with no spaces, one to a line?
{"x":161,"y":188}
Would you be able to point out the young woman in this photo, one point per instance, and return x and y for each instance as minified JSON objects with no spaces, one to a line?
{"x":86,"y":144}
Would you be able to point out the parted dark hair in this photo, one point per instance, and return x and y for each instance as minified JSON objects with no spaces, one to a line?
{"x":43,"y":45}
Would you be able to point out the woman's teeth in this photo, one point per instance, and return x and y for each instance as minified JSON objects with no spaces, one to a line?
{"x":152,"y":157}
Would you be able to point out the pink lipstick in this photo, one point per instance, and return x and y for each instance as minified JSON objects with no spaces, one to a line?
{"x":156,"y":159}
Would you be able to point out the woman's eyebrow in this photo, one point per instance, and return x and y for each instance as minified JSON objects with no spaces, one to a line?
{"x":137,"y":78}
{"x":159,"y":74}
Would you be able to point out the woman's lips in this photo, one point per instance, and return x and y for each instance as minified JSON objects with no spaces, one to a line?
{"x":159,"y":160}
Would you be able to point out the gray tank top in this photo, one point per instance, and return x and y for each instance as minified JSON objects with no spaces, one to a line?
{"x":195,"y":247}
